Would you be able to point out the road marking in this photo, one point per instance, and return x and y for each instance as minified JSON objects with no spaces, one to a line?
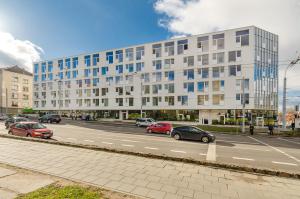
{"x":248,"y":159}
{"x":204,"y":154}
{"x":284,"y":153}
{"x":130,"y":141}
{"x":107,"y":143}
{"x":176,"y":151}
{"x":289,"y":141}
{"x":89,"y":140}
{"x":127,"y":145}
{"x":211,"y":152}
{"x":237,"y":142}
{"x":71,"y":138}
{"x":284,"y":163}
{"x":151,"y":148}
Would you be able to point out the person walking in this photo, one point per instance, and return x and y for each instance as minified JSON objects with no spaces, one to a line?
{"x":251,"y":127}
{"x":293,"y":125}
{"x":271,"y":128}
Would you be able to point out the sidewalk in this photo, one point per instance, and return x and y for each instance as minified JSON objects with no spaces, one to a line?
{"x":149,"y":178}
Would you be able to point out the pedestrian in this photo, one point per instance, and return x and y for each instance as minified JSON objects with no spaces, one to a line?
{"x":271,"y":128}
{"x":251,"y":127}
{"x":293,"y":126}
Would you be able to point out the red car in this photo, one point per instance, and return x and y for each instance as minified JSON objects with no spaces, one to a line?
{"x":162,"y":127}
{"x":30,"y":129}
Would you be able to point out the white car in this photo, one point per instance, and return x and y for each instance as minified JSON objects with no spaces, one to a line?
{"x":144,"y":122}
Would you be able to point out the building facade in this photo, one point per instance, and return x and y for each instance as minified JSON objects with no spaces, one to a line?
{"x":15,"y":89}
{"x":197,"y":77}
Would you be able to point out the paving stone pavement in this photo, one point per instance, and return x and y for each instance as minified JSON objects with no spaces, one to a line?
{"x":144,"y":177}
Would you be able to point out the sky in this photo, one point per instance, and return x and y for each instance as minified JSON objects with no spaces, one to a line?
{"x":32,"y":30}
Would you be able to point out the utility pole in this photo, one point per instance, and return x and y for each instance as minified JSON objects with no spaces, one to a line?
{"x":294,"y":62}
{"x":243,"y":90}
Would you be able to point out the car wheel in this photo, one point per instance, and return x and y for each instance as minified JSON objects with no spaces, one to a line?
{"x":205,"y":139}
{"x":149,"y":131}
{"x":57,"y":122}
{"x":28,"y":135}
{"x":177,"y":136}
{"x":10,"y":132}
{"x":168,"y":132}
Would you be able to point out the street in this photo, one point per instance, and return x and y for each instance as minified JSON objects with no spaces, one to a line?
{"x":256,"y":151}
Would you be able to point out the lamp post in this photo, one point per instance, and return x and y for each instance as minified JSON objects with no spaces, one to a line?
{"x":294,"y":62}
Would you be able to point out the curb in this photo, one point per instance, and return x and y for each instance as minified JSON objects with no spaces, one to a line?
{"x":162,"y":157}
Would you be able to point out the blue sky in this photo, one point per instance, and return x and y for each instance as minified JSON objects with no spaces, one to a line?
{"x":68,"y":27}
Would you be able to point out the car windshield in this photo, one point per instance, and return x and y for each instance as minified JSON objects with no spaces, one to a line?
{"x":36,"y":126}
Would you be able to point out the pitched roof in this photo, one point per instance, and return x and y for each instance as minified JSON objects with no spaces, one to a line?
{"x":17,"y":69}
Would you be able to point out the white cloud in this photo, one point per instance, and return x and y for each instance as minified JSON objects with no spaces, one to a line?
{"x":18,"y":52}
{"x":184,"y":17}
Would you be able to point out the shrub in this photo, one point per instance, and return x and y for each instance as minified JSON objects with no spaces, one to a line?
{"x":214,"y":122}
{"x":134,"y":116}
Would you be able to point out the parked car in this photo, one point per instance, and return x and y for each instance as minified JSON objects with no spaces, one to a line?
{"x":161,"y":127}
{"x":3,"y":117}
{"x":13,"y":120}
{"x":192,"y":133}
{"x":144,"y":122}
{"x":30,"y":129}
{"x":50,"y":118}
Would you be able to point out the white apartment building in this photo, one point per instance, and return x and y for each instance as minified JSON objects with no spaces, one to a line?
{"x":197,"y":77}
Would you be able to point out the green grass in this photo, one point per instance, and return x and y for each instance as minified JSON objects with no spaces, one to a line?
{"x":55,"y":191}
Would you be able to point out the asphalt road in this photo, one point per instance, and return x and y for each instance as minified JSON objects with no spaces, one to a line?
{"x":254,"y":151}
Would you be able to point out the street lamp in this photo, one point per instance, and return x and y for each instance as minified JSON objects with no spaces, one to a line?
{"x":294,"y":62}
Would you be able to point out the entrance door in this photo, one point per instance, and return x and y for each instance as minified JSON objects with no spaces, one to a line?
{"x":124,"y":116}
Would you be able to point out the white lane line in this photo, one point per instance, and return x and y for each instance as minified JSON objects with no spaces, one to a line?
{"x":284,"y":153}
{"x":71,"y":138}
{"x":289,"y":141}
{"x":151,"y":148}
{"x":211,"y":152}
{"x":127,"y":145}
{"x":88,"y":140}
{"x":284,"y":163}
{"x":130,"y":141}
{"x":107,"y":143}
{"x":176,"y":151}
{"x":238,"y":158}
{"x":203,"y":154}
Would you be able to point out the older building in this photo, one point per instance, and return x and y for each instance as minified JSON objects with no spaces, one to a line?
{"x":15,"y":89}
{"x":203,"y":77}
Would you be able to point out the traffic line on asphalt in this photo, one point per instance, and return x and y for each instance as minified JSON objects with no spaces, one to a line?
{"x":130,"y":141}
{"x":211,"y":152}
{"x":238,"y":158}
{"x":88,"y":140}
{"x":128,"y":145}
{"x":203,"y":154}
{"x":176,"y":151}
{"x":284,"y":163}
{"x":151,"y":148}
{"x":276,"y":149}
{"x":289,"y":141}
{"x":107,"y":143}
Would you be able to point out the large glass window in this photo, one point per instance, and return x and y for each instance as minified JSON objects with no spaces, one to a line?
{"x":75,"y":73}
{"x":169,"y":48}
{"x":188,"y":61}
{"x":203,"y":59}
{"x":219,"y":57}
{"x":182,"y":46}
{"x":203,"y":72}
{"x":170,"y":88}
{"x":139,"y":66}
{"x":110,"y":57}
{"x":189,"y":86}
{"x":169,"y":63}
{"x":130,"y":68}
{"x":119,"y":55}
{"x":36,"y":68}
{"x":183,"y":100}
{"x":157,"y":76}
{"x":202,"y":99}
{"x":104,"y":70}
{"x":156,"y":50}
{"x":169,"y":75}
{"x":75,"y":62}
{"x":60,"y":64}
{"x":235,"y":70}
{"x":203,"y":44}
{"x":218,"y":41}
{"x":95,"y":59}
{"x":50,"y":66}
{"x":156,"y":88}
{"x":218,"y":99}
{"x":129,"y":54}
{"x":156,"y":64}
{"x":189,"y":74}
{"x":119,"y":69}
{"x":140,"y":52}
{"x":43,"y":67}
{"x":68,"y":63}
{"x":242,"y":37}
{"x":203,"y":86}
{"x":87,"y":60}
{"x":68,"y":74}
{"x":234,"y":56}
{"x":95,"y":72}
{"x":87,"y":72}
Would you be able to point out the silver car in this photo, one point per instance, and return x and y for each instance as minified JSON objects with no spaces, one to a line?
{"x":144,"y":122}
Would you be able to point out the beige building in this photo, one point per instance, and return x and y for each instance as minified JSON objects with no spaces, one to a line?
{"x":15,"y":89}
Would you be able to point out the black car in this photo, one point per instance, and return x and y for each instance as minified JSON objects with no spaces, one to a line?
{"x":192,"y":133}
{"x":50,"y":118}
{"x":13,"y":120}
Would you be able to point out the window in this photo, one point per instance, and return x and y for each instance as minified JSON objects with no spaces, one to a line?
{"x":50,"y":66}
{"x":182,"y":46}
{"x":119,"y":69}
{"x":87,"y":72}
{"x":119,"y":101}
{"x":219,"y":57}
{"x":68,"y":84}
{"x":109,"y":80}
{"x":129,"y":54}
{"x":74,"y":73}
{"x":156,"y":50}
{"x":43,"y":67}
{"x":95,"y":59}
{"x":96,"y":102}
{"x":119,"y":55}
{"x":239,"y":84}
{"x":202,"y":99}
{"x":157,"y":76}
{"x":156,"y":88}
{"x":235,"y":70}
{"x":119,"y":79}
{"x":203,"y":72}
{"x":189,"y":74}
{"x":218,"y":41}
{"x":218,"y":72}
{"x":104,"y":91}
{"x":119,"y":90}
{"x":75,"y":62}
{"x":128,"y":90}
{"x":105,"y":101}
{"x":145,"y":100}
{"x":36,"y":68}
{"x":25,"y":89}
{"x":68,"y":63}
{"x":50,"y":76}
{"x":139,"y":66}
{"x":96,"y":92}
{"x":156,"y":64}
{"x":146,"y":77}
{"x":203,"y":44}
{"x":169,"y":48}
{"x":218,"y":99}
{"x":188,"y":61}
{"x":87,"y":60}
{"x":242,"y":37}
{"x":203,"y":59}
{"x":170,"y":100}
{"x":169,"y":75}
{"x":203,"y":86}
{"x":156,"y":100}
{"x":129,"y":79}
{"x":68,"y":74}
{"x":240,"y":97}
{"x":60,"y":64}
{"x":95,"y":81}
{"x":140,"y":52}
{"x":130,"y":68}
{"x":189,"y":87}
{"x":234,"y":56}
{"x":183,"y":100}
{"x":79,"y":83}
{"x":104,"y":70}
{"x":95,"y":72}
{"x":87,"y":82}
{"x":130,"y":101}
{"x":169,"y":63}
{"x":146,"y":89}
{"x":170,"y":88}
{"x":218,"y":85}
{"x":110,"y":57}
